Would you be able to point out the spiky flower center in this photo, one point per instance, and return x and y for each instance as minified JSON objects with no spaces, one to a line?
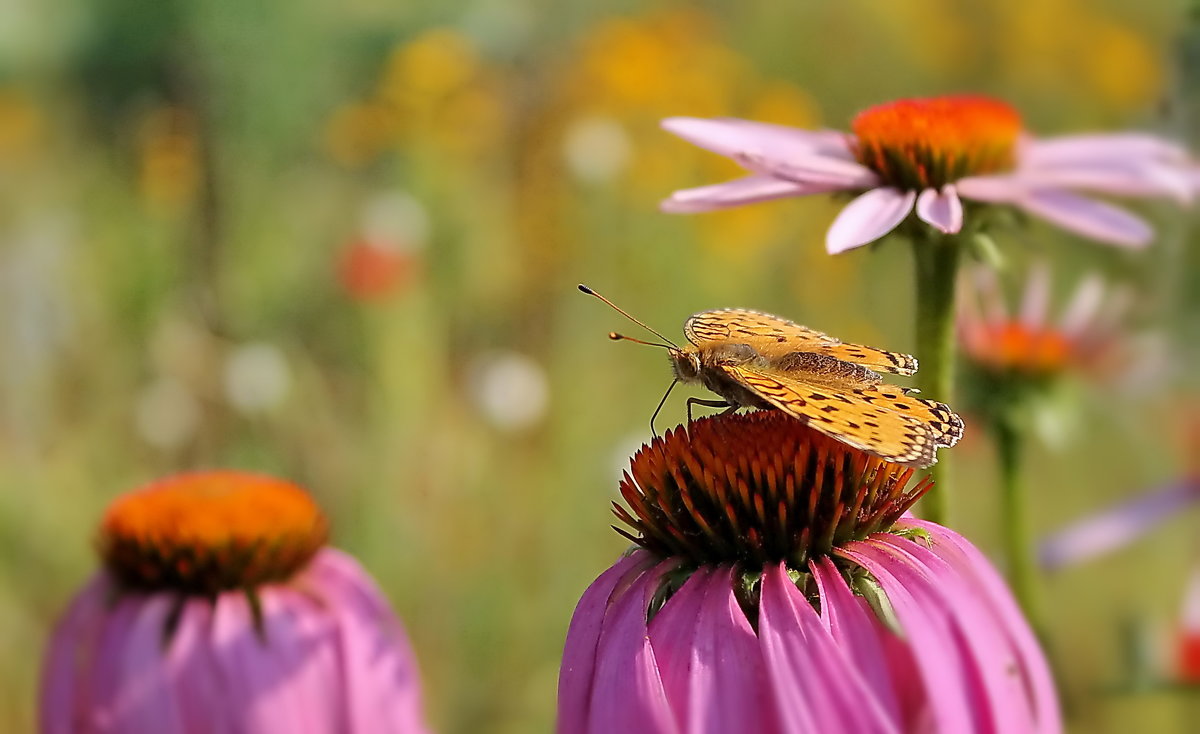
{"x":758,"y":488}
{"x":923,"y":143}
{"x":1016,"y":347}
{"x":213,"y":531}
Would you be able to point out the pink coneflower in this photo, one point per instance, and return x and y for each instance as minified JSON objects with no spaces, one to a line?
{"x":1026,"y":341}
{"x":220,"y":609}
{"x":780,"y":587}
{"x":928,"y":156}
{"x":1187,"y":658}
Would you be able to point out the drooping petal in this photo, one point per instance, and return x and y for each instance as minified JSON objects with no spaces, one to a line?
{"x":627,"y":691}
{"x":710,"y":658}
{"x":935,"y":650}
{"x":855,"y":628}
{"x":816,"y":686}
{"x":942,"y":210}
{"x":1087,"y":217}
{"x":379,"y":676}
{"x":1116,"y":526}
{"x":996,"y":189}
{"x":731,"y":136}
{"x":72,"y":649}
{"x":1085,"y":305}
{"x":990,"y":668}
{"x":583,"y":637}
{"x":868,"y":217}
{"x":969,"y":562}
{"x":746,"y":190}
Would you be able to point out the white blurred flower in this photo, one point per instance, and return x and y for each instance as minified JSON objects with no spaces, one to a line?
{"x":596,"y":149}
{"x":257,"y":377}
{"x":166,"y":413}
{"x":510,"y":389}
{"x":394,"y":219}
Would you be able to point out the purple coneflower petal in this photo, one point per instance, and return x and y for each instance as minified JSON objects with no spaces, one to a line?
{"x":869,"y":217}
{"x":627,"y":691}
{"x":709,"y":654}
{"x":747,"y":190}
{"x":1087,"y":217}
{"x":941,"y":209}
{"x":817,"y":687}
{"x":731,"y":136}
{"x":583,"y":637}
{"x":82,"y":621}
{"x":853,"y":624}
{"x":969,"y":562}
{"x":933,"y":649}
{"x":1116,"y":526}
{"x":1120,"y":178}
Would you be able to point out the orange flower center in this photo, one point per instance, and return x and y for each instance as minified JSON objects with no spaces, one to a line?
{"x":758,"y":487}
{"x":211,"y":531}
{"x":1014,"y":346}
{"x":1189,"y":657}
{"x":923,"y":143}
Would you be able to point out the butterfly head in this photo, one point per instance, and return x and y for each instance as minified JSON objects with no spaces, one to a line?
{"x":685,"y":363}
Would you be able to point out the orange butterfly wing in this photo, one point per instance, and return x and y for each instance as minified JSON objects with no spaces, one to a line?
{"x":888,"y":424}
{"x":772,"y":336}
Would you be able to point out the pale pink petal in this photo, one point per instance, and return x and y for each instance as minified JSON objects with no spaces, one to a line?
{"x":731,"y":136}
{"x":1085,"y":305}
{"x":1117,"y":526}
{"x":747,"y":190}
{"x":869,"y":217}
{"x":1088,"y":217}
{"x":583,"y":637}
{"x":813,"y":169}
{"x":1070,"y":149}
{"x":969,"y":562}
{"x":1189,"y":617}
{"x":942,"y":210}
{"x":1120,"y":178}
{"x":1035,"y":305}
{"x":998,"y":189}
{"x":816,"y":686}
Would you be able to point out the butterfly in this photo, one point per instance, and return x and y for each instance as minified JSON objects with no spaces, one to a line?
{"x":753,"y":359}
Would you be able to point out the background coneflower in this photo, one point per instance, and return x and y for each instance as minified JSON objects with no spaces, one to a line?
{"x":934,"y":168}
{"x":1018,"y":359}
{"x":220,"y":609}
{"x":780,"y":586}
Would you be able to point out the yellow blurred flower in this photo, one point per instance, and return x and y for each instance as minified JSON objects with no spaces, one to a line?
{"x":170,"y":168}
{"x":21,"y":123}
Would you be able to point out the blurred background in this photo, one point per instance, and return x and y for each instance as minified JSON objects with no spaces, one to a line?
{"x":339,"y":243}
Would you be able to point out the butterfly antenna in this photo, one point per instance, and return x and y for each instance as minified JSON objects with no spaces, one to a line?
{"x":621,"y":337}
{"x":624,"y":313}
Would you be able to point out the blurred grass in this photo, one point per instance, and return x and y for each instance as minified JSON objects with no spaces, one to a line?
{"x":177,"y":185}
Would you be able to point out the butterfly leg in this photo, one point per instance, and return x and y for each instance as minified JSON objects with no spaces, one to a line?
{"x":708,"y":404}
{"x":660,"y":405}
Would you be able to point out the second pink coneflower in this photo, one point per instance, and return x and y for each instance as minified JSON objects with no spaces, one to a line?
{"x":779,"y":586}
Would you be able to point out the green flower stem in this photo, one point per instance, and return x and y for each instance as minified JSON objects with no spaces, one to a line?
{"x":936,"y":260}
{"x":1014,"y":518}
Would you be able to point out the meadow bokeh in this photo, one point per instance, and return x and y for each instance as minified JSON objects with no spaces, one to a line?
{"x":340,"y":242}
